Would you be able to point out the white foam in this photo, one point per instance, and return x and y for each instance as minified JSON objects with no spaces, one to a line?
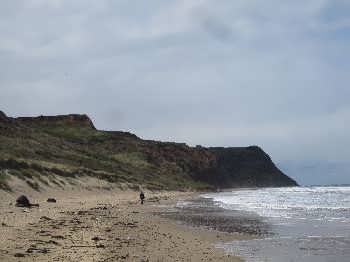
{"x":329,"y":203}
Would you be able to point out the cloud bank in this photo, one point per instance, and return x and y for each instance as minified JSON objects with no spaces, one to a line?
{"x":228,"y":73}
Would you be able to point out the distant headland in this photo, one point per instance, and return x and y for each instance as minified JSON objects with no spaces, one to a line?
{"x":41,"y":150}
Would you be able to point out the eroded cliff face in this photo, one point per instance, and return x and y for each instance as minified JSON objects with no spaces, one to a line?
{"x":70,"y":146}
{"x":222,"y":167}
{"x":248,"y":166}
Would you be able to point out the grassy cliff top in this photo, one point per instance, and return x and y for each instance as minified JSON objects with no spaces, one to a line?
{"x":46,"y":147}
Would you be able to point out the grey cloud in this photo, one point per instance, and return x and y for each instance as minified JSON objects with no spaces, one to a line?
{"x":214,"y":73}
{"x":218,"y":29}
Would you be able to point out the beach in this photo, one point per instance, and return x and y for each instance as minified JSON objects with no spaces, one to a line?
{"x":99,"y":224}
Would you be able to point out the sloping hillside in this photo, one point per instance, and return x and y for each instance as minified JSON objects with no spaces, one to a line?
{"x":41,"y":150}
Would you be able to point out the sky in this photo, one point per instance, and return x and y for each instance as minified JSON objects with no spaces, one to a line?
{"x":215,"y":73}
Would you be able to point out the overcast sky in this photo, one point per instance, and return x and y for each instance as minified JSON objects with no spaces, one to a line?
{"x":217,"y":73}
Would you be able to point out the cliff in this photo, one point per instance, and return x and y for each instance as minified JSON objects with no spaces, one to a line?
{"x":45,"y":148}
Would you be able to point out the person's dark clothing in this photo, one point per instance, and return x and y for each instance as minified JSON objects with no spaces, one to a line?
{"x":142,"y":197}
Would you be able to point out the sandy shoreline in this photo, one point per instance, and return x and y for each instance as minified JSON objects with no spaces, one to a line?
{"x":102,"y":225}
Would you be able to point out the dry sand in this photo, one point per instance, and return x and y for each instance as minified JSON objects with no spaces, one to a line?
{"x":90,"y":223}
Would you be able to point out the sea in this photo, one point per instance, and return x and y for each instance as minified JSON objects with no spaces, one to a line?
{"x":305,"y":223}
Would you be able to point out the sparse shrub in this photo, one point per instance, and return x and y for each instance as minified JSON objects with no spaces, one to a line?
{"x":33,"y":185}
{"x":3,"y":180}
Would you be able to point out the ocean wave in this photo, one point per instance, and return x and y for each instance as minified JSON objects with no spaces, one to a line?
{"x":330,"y":203}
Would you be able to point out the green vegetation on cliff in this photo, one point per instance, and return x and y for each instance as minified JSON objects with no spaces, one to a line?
{"x":70,"y":146}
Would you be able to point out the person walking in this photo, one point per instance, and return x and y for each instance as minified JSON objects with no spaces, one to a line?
{"x":142,"y":197}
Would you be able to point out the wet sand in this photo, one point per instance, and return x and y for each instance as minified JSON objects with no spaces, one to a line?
{"x":202,"y":212}
{"x":102,"y":225}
